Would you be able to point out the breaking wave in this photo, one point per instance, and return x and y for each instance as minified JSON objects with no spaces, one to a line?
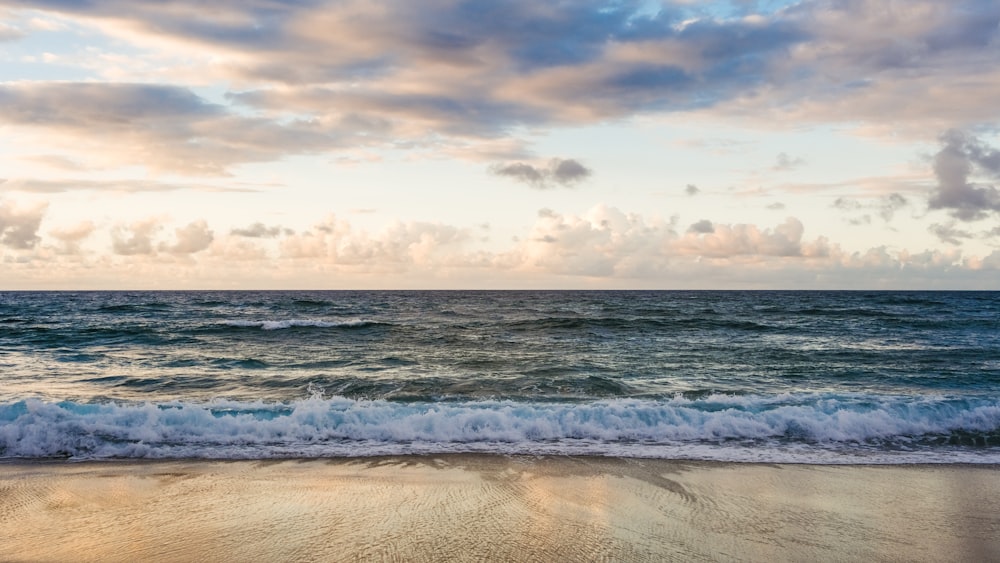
{"x":812,"y":428}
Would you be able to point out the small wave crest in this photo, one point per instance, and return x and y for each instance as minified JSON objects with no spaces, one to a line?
{"x":803,"y":428}
{"x":298,"y":323}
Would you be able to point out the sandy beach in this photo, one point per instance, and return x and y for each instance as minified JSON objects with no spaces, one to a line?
{"x":492,"y":508}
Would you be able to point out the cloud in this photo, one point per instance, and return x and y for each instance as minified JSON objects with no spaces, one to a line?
{"x":704,"y":226}
{"x":562,"y":172}
{"x":785,"y":162}
{"x":847,"y":204}
{"x":19,"y":226}
{"x":521,"y":172}
{"x":691,"y":189}
{"x":949,"y":233}
{"x":749,"y":240}
{"x":569,"y":171}
{"x":135,"y":239}
{"x":260,"y":230}
{"x":604,"y":242}
{"x":962,"y":157}
{"x":609,"y":243}
{"x":58,"y":162}
{"x":72,"y":236}
{"x":455,"y":77}
{"x":192,"y":238}
{"x":886,"y":207}
{"x":164,"y":128}
{"x":396,"y":247}
{"x":34,"y":185}
{"x":604,"y":247}
{"x":890,"y":204}
{"x":9,"y":33}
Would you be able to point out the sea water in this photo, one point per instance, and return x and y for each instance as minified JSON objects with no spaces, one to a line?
{"x":775,"y":376}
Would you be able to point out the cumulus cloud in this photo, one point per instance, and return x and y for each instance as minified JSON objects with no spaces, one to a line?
{"x":559,"y":172}
{"x":604,"y":246}
{"x":192,"y":238}
{"x":704,"y":226}
{"x":72,"y":236}
{"x":398,"y":245}
{"x":743,"y":239}
{"x":134,"y":239}
{"x":963,"y":157}
{"x":604,"y":242}
{"x":609,"y":243}
{"x":19,"y":226}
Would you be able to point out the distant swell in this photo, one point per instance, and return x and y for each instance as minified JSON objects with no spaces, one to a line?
{"x":806,"y":428}
{"x":298,"y":323}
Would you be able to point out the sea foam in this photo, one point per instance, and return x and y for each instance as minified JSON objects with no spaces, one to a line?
{"x":806,"y":428}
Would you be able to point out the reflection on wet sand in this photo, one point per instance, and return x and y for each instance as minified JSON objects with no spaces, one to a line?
{"x":474,"y":508}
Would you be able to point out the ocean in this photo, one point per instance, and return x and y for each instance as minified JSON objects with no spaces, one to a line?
{"x":757,"y":376}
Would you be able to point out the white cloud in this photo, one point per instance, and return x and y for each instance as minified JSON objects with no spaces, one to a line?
{"x":71,"y":236}
{"x":135,"y":239}
{"x":190,"y":239}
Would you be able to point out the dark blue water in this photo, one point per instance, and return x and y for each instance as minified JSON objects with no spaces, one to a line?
{"x":822,"y":377}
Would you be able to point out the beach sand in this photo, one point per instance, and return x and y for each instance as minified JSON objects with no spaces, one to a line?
{"x":496,"y":508}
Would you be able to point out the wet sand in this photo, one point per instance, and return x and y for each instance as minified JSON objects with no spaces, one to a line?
{"x":494,"y":508}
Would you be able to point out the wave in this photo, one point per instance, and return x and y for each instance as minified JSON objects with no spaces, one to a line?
{"x":814,"y":428}
{"x":299,"y":323}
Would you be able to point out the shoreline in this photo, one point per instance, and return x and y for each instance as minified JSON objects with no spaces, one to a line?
{"x":494,"y":507}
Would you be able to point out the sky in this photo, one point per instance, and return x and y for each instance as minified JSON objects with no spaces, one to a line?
{"x":445,"y":144}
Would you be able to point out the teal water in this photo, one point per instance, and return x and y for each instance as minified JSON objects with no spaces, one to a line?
{"x":823,"y":377}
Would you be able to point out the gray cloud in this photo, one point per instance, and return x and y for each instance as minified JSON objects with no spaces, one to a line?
{"x":704,"y":227}
{"x":259,"y":230}
{"x":568,"y":171}
{"x":691,"y":189}
{"x":8,"y":33}
{"x":890,"y":204}
{"x":19,"y":227}
{"x":483,"y":68}
{"x":886,"y":208}
{"x":562,"y":172}
{"x":785,"y":162}
{"x":962,"y":157}
{"x":847,"y":204}
{"x":948,"y":233}
{"x":414,"y":73}
{"x":161,"y":127}
{"x":521,"y":172}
